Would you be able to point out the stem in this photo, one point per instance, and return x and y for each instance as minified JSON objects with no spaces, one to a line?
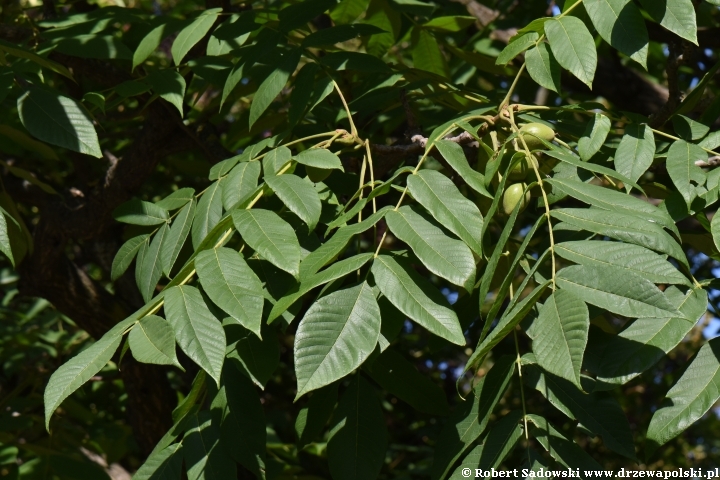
{"x":572,"y":7}
{"x":506,"y":100}
{"x":372,"y":181}
{"x":673,"y":137}
{"x":353,"y":130}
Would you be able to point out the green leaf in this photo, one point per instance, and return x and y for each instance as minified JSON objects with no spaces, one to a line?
{"x":426,"y":54}
{"x":93,"y":46}
{"x":242,"y":427}
{"x":205,"y":457}
{"x":505,"y":325}
{"x":149,"y":43}
{"x":630,"y":258}
{"x":165,"y":464}
{"x":298,"y":14}
{"x":678,"y":16}
{"x":399,"y":377}
{"x":193,"y":33}
{"x":335,"y":336}
{"x":208,"y":213}
{"x":125,"y":255}
{"x":232,"y":285}
{"x":299,"y":196}
{"x":176,"y":237}
{"x":15,"y":51}
{"x":255,"y":357}
{"x":330,"y":249}
{"x":681,"y":167}
{"x":273,"y":84}
{"x":177,"y":199}
{"x":319,"y":158}
{"x":354,"y":61}
{"x":449,"y":24}
{"x":240,"y":183}
{"x":689,"y":399}
{"x":311,"y":420}
{"x":569,"y":158}
{"x":307,"y":283}
{"x":197,"y":331}
{"x":443,"y":200}
{"x":231,"y":34}
{"x":138,"y":212}
{"x":271,"y":236}
{"x":358,"y":438}
{"x":78,"y":370}
{"x":58,"y":120}
{"x":688,"y":128}
{"x":169,"y":85}
{"x":543,"y":67}
{"x":517,"y":45}
{"x":454,"y":155}
{"x":152,"y":341}
{"x":339,"y":33}
{"x":417,"y":298}
{"x":275,"y":159}
{"x":595,"y":134}
{"x":620,"y":24}
{"x":566,"y":452}
{"x":383,"y":15}
{"x":647,"y":340}
{"x":622,"y":227}
{"x":635,"y":153}
{"x":617,"y":291}
{"x":446,"y":257}
{"x":560,"y":334}
{"x":347,"y":11}
{"x":573,"y":47}
{"x":6,"y":248}
{"x":148,"y":269}
{"x":470,"y":418}
{"x":599,"y":413}
{"x":614,"y":201}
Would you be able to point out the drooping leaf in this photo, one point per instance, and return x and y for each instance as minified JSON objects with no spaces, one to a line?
{"x":338,"y":34}
{"x":176,"y":237}
{"x":138,"y":212}
{"x":311,"y":420}
{"x":426,"y":54}
{"x":177,"y":199}
{"x":273,"y":84}
{"x":399,"y":377}
{"x":349,"y":320}
{"x":78,"y":370}
{"x":152,"y":341}
{"x":681,"y":167}
{"x":566,"y":452}
{"x":232,"y":285}
{"x":242,"y":427}
{"x":469,"y":420}
{"x":516,"y":46}
{"x":449,"y":23}
{"x":148,"y":270}
{"x":454,"y":155}
{"x":417,"y":298}
{"x":678,"y":16}
{"x":620,"y":23}
{"x":595,"y":134}
{"x":543,"y":67}
{"x":193,"y":33}
{"x":319,"y":158}
{"x":240,"y":183}
{"x":257,"y":358}
{"x":270,"y":236}
{"x":689,"y":399}
{"x":208,"y":213}
{"x":632,"y":258}
{"x":58,"y":120}
{"x":647,"y":340}
{"x":125,"y":256}
{"x":205,"y":458}
{"x":165,"y":464}
{"x":617,"y":291}
{"x":573,"y":47}
{"x":197,"y":331}
{"x":358,"y":437}
{"x":560,"y":334}
{"x":623,"y":227}
{"x":443,"y":200}
{"x":635,"y":153}
{"x":299,"y":196}
{"x":446,"y":257}
{"x":169,"y":85}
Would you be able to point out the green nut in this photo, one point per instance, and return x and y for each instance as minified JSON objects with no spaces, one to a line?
{"x":532,"y":133}
{"x":514,"y":195}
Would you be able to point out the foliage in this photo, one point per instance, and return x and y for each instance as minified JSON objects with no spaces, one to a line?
{"x":340,"y":217}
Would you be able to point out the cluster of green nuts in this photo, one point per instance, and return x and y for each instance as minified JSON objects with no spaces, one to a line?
{"x":524,"y":166}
